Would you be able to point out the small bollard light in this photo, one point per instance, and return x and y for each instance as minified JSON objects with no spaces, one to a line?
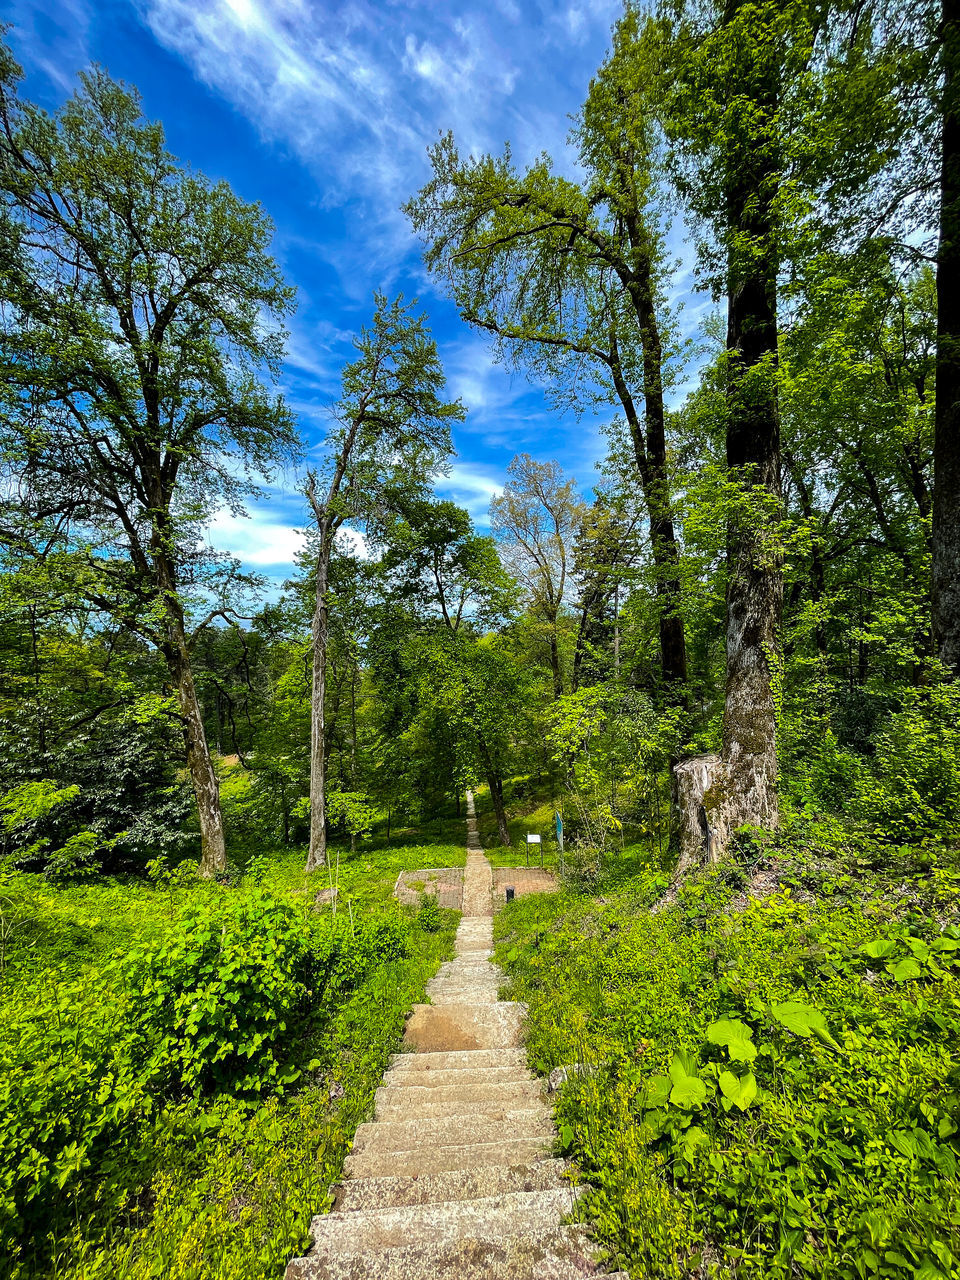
{"x":509,"y":892}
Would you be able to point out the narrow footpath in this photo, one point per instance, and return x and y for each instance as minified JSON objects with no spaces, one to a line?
{"x":453,"y":1177}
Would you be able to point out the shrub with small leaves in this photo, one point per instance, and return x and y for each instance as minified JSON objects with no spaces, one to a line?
{"x":428,"y":917}
{"x":215,"y":998}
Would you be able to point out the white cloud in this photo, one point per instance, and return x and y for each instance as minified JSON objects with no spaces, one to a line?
{"x":257,"y":539}
{"x":358,"y":91}
{"x":472,"y":485}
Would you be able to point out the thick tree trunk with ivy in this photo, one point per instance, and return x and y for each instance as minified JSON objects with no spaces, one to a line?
{"x":317,"y":855}
{"x":742,"y":790}
{"x":206,"y":786}
{"x":747,"y":791}
{"x":495,"y":783}
{"x":946,"y":460}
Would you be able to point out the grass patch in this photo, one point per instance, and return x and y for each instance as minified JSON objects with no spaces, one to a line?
{"x":211,"y":1183}
{"x":770,"y":1085}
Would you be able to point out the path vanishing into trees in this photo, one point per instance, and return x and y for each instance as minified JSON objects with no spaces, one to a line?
{"x":454,"y":1175}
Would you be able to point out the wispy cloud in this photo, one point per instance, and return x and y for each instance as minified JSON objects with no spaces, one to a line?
{"x":357,"y":91}
{"x":472,"y":485}
{"x":257,"y":539}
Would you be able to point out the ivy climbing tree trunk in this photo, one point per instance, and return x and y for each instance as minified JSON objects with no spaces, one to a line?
{"x":746,"y":157}
{"x":206,"y":786}
{"x":755,"y":570}
{"x":317,"y":854}
{"x":946,"y":460}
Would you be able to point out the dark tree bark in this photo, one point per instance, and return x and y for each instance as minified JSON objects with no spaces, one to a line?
{"x":755,"y":582}
{"x":946,"y":449}
{"x":650,"y":452}
{"x":745,"y":792}
{"x":206,"y":787}
{"x":495,"y":783}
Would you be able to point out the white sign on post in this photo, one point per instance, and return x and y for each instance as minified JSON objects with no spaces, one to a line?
{"x":533,"y":840}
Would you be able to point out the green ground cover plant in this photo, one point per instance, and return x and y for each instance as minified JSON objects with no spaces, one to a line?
{"x":185,"y":1062}
{"x":769,"y":1083}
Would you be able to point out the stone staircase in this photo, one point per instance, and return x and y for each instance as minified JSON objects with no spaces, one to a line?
{"x":454,"y":1177}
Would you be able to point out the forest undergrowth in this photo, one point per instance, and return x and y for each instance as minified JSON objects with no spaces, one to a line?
{"x":767,"y":1081}
{"x":184,"y":1064}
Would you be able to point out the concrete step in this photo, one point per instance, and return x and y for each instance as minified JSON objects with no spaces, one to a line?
{"x":456,"y":1130}
{"x":459,"y":1184}
{"x":373,"y":1230}
{"x":460,"y":993}
{"x":469,"y":981}
{"x":398,"y":1106}
{"x":488,"y":979}
{"x":467,"y":1092}
{"x":465,"y":1026}
{"x":461,"y":1157}
{"x":486,"y":976}
{"x":552,"y":1253}
{"x":458,"y":1059}
{"x":400,"y":1081}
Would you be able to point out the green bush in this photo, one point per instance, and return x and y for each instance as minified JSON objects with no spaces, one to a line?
{"x":69,"y":1091}
{"x":913,"y":787}
{"x":774,"y":1087}
{"x":428,"y":917}
{"x":213,"y":1000}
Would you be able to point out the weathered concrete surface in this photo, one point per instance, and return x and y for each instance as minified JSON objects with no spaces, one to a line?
{"x":462,"y":1130}
{"x":423,"y":1082}
{"x":424,"y":1160}
{"x":416,"y":1096}
{"x":484,"y":1059}
{"x":454,"y":1177}
{"x":465,"y":1026}
{"x":443,"y":883}
{"x":550,"y":1253}
{"x":457,"y":1185}
{"x":525,"y":880}
{"x":491,"y":1217}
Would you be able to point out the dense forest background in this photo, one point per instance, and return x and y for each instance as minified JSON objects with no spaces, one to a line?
{"x":741,"y":642}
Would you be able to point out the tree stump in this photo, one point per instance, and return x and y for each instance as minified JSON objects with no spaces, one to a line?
{"x":697,"y":795}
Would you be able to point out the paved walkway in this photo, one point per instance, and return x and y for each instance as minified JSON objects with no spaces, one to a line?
{"x":454,"y":1178}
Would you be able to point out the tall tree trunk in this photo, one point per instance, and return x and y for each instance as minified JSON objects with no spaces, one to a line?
{"x":206,"y":787}
{"x":650,"y":451}
{"x":946,"y":448}
{"x":495,"y":783}
{"x":747,"y":789}
{"x":555,"y":660}
{"x":317,"y":855}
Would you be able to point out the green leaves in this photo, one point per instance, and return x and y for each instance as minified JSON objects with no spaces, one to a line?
{"x":735,"y":1036}
{"x":925,"y":958}
{"x":657,"y":1091}
{"x":803,"y":1020}
{"x":906,"y":970}
{"x":879,"y":948}
{"x":738,"y":1091}
{"x":688,"y":1091}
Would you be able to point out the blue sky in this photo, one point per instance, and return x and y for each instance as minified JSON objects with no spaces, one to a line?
{"x":323,"y":112}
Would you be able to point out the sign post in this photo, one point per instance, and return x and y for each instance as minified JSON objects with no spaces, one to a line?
{"x":534,"y":840}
